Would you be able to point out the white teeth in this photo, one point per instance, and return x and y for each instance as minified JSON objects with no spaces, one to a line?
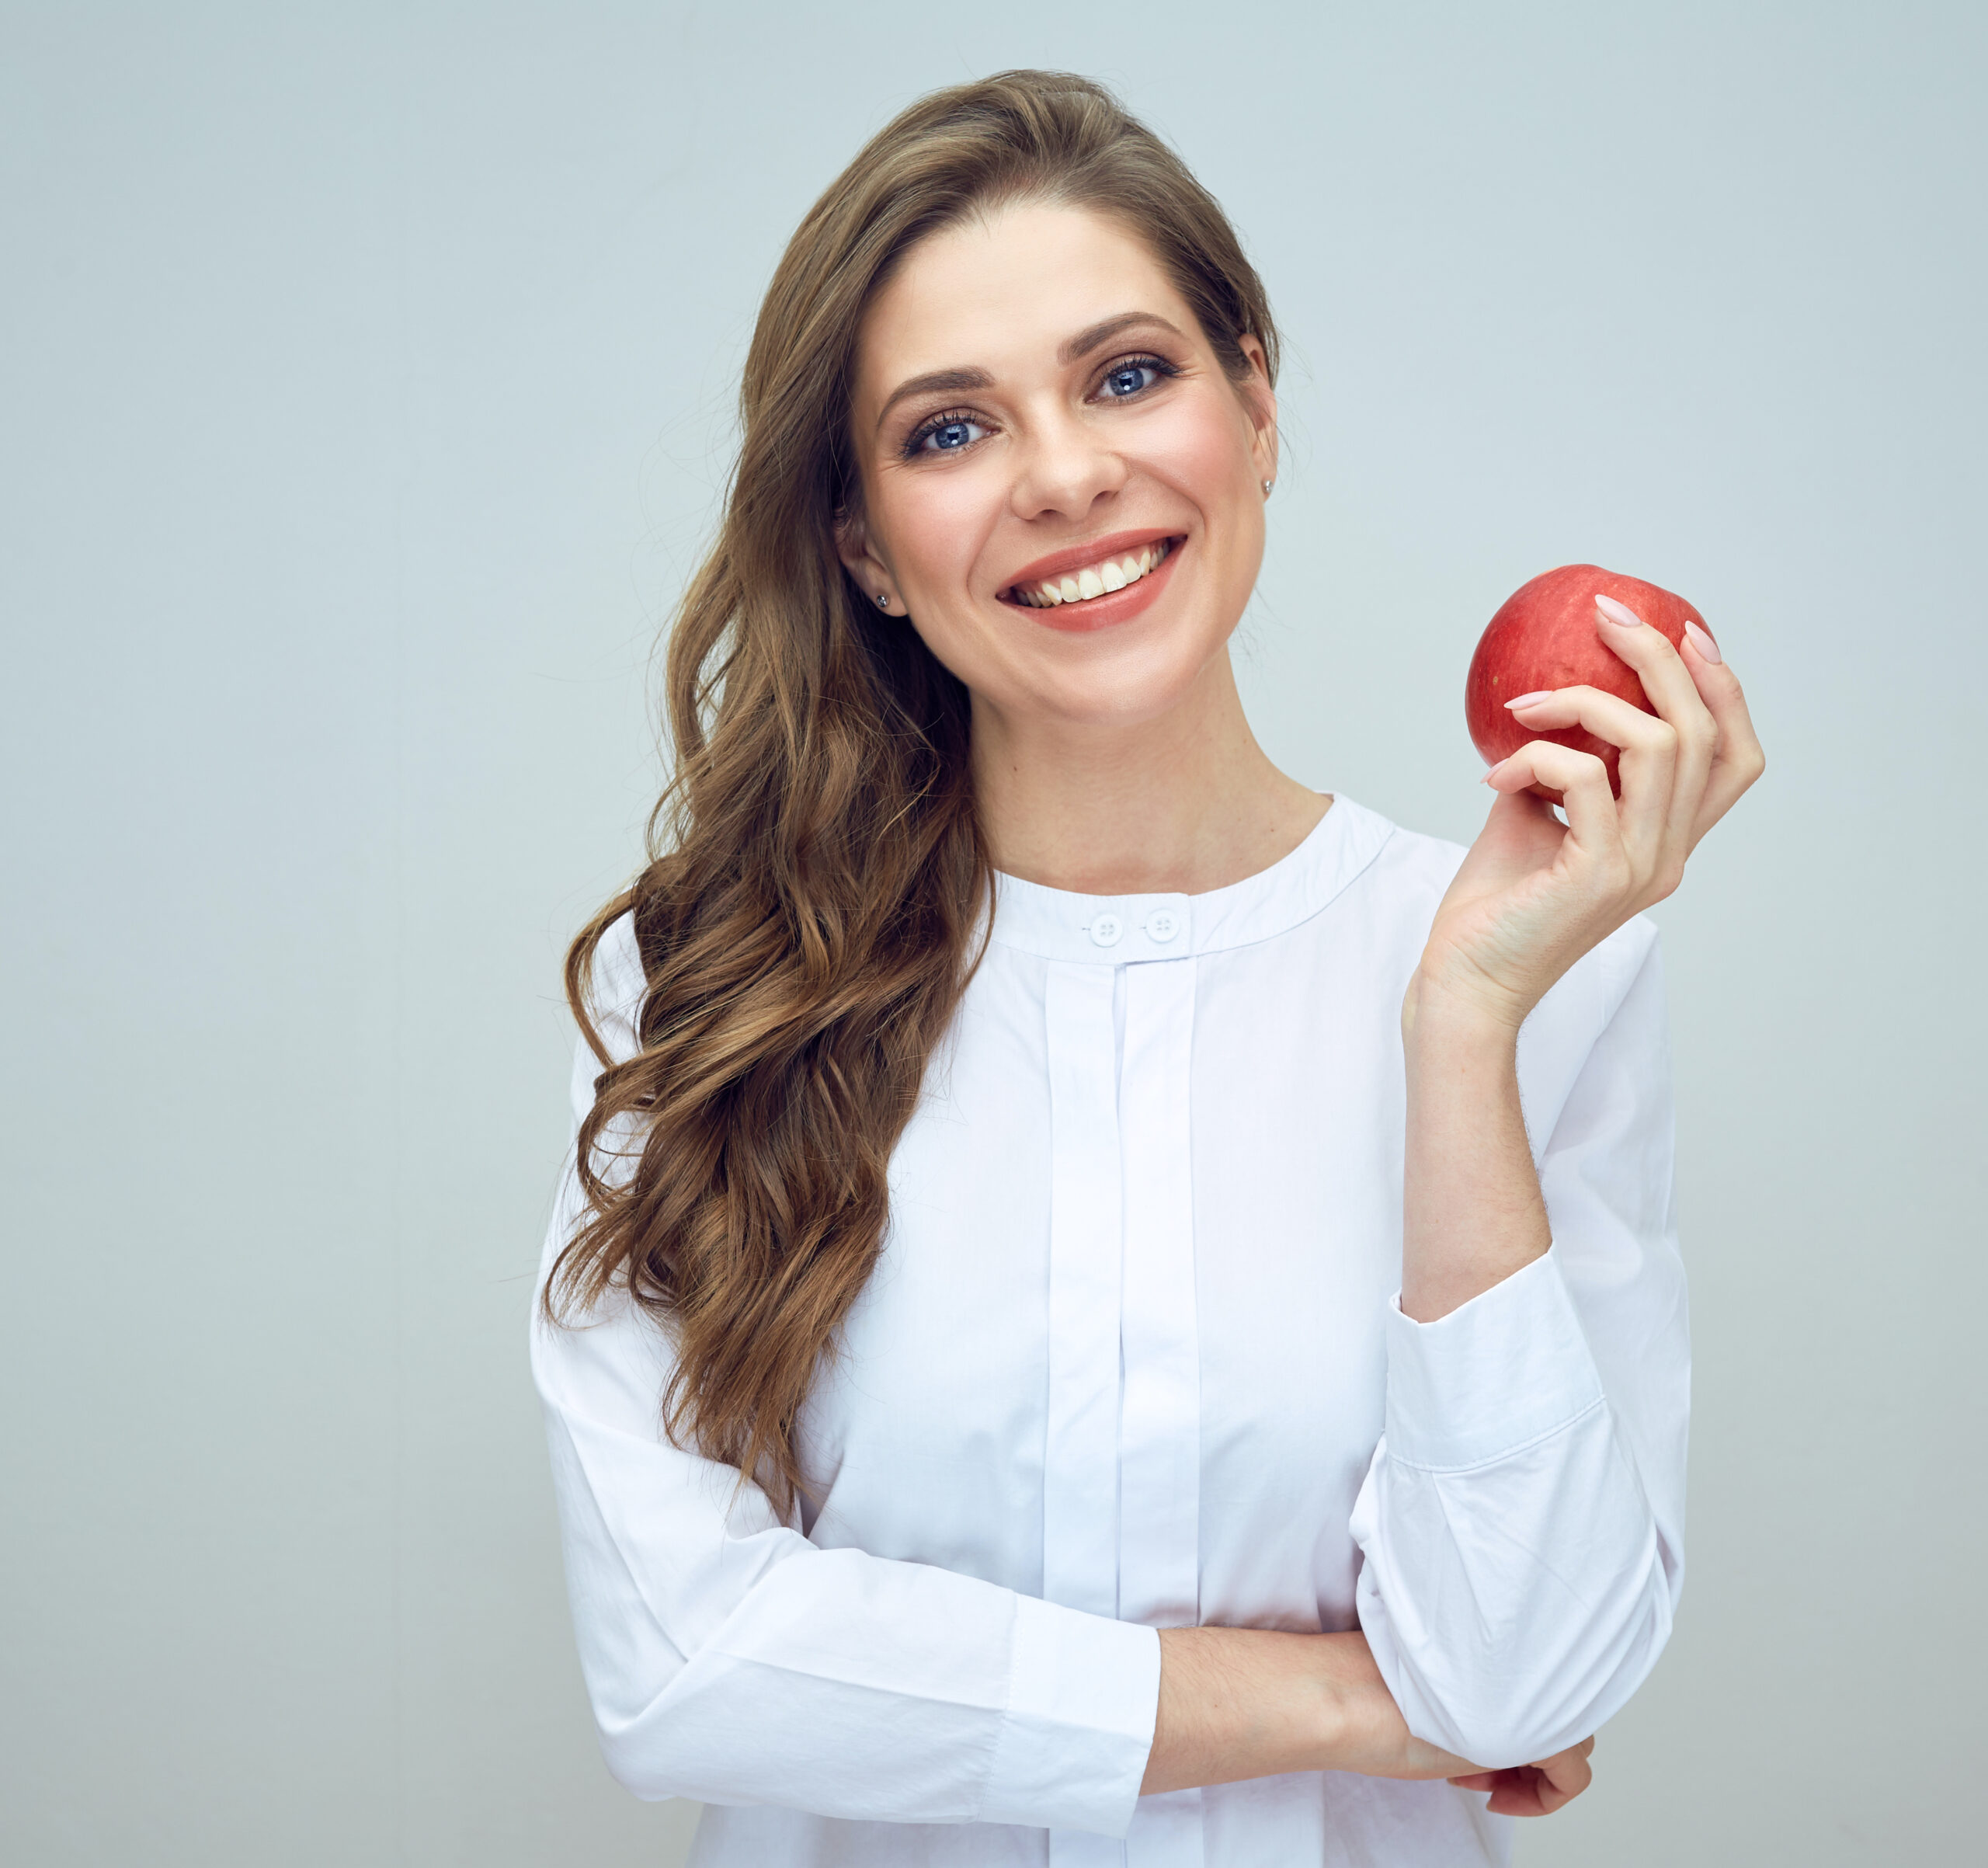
{"x":1094,"y":580}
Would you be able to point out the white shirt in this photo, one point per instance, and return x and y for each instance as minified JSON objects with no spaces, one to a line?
{"x":1132,"y":1359}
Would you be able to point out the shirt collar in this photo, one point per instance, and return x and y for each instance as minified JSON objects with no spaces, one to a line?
{"x":1109,"y":930}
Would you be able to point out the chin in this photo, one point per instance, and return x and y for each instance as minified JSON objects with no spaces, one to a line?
{"x":1127,"y":682}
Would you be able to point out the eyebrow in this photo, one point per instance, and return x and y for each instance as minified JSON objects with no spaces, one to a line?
{"x":935,"y":382}
{"x":1092,"y":337}
{"x":1095,"y":336}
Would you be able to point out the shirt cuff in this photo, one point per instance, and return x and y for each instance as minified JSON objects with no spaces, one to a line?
{"x":1506,"y":1369}
{"x":1083,"y":1695}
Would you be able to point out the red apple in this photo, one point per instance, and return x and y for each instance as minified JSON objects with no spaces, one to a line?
{"x":1546,"y":635}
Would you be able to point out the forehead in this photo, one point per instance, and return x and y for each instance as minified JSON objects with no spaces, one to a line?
{"x":1000,"y":294}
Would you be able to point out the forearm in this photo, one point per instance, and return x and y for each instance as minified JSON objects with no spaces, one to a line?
{"x":1242,"y":1703}
{"x":1471,"y":1212}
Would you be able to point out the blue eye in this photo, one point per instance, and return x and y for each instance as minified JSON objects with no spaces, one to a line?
{"x":948,"y":436}
{"x":1122,"y":379}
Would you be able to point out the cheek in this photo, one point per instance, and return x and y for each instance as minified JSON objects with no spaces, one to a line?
{"x":1201,"y":449}
{"x":935,"y":526}
{"x":935,"y":522}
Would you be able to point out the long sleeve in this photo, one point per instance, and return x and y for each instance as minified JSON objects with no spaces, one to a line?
{"x":1521,"y":1523}
{"x":729,"y":1659}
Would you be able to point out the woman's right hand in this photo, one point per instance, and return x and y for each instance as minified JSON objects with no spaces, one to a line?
{"x":1534,"y":1790}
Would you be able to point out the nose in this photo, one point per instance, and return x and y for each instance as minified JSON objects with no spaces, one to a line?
{"x":1063,"y":469}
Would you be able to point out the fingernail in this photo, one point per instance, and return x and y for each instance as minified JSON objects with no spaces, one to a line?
{"x":1544,"y":694}
{"x":1701,"y":641}
{"x":1618,"y":612}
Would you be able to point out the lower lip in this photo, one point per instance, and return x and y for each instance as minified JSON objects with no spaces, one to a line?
{"x":1113,"y":607}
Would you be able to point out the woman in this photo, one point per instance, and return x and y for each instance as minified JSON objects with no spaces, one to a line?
{"x":1053,"y":1342}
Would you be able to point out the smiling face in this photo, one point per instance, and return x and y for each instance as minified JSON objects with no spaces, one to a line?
{"x":1060,"y":484}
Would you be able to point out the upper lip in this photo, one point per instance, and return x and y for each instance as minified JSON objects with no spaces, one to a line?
{"x":1112,"y":545}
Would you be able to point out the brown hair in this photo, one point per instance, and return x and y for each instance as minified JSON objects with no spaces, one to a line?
{"x":807,"y":919}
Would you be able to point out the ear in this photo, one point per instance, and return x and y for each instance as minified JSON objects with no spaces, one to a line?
{"x":1260,"y":400}
{"x":860,"y":559}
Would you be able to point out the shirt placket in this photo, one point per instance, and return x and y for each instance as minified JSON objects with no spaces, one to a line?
{"x":1160,"y":1427}
{"x":1120,"y":1491}
{"x":1080,"y":1462}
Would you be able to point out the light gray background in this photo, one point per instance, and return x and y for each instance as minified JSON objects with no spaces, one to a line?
{"x":366,"y":375}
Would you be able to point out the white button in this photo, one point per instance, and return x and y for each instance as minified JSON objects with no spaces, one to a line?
{"x":1106,"y":930}
{"x":1162,"y":923}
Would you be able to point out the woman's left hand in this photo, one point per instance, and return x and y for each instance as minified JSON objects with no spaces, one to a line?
{"x":1535,"y":1789}
{"x":1534,"y":895}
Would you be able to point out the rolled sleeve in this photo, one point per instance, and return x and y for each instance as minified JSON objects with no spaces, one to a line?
{"x":1509,"y":1367}
{"x":1520,"y":1525}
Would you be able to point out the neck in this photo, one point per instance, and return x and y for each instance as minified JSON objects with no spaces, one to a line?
{"x":1179,"y":804}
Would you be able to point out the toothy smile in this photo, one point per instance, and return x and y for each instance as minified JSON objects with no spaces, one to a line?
{"x":1110,"y":573}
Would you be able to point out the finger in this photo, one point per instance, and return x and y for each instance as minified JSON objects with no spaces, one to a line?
{"x":1565,"y":1776}
{"x":1516,"y":1792}
{"x":1670,"y":688}
{"x":1648,"y":745}
{"x":1737,"y":759}
{"x":1535,"y":1789}
{"x":1528,"y":823}
{"x":1581,"y":780}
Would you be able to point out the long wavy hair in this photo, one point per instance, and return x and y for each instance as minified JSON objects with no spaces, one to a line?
{"x":817,"y":884}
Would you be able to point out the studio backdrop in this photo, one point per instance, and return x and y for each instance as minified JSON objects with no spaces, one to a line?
{"x":365,"y":396}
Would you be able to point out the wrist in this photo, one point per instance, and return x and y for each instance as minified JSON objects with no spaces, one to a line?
{"x":1345,"y":1681}
{"x":1360,"y":1727}
{"x":1438,"y":1016}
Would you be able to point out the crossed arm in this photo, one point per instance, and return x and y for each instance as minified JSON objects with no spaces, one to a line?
{"x":1533,"y":895}
{"x":1238,"y":1703}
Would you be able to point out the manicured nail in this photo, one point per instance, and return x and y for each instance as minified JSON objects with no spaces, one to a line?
{"x":1544,"y":694}
{"x":1618,"y":612}
{"x":1701,"y":641}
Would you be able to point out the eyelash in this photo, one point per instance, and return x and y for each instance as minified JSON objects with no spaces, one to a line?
{"x":915,"y":442}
